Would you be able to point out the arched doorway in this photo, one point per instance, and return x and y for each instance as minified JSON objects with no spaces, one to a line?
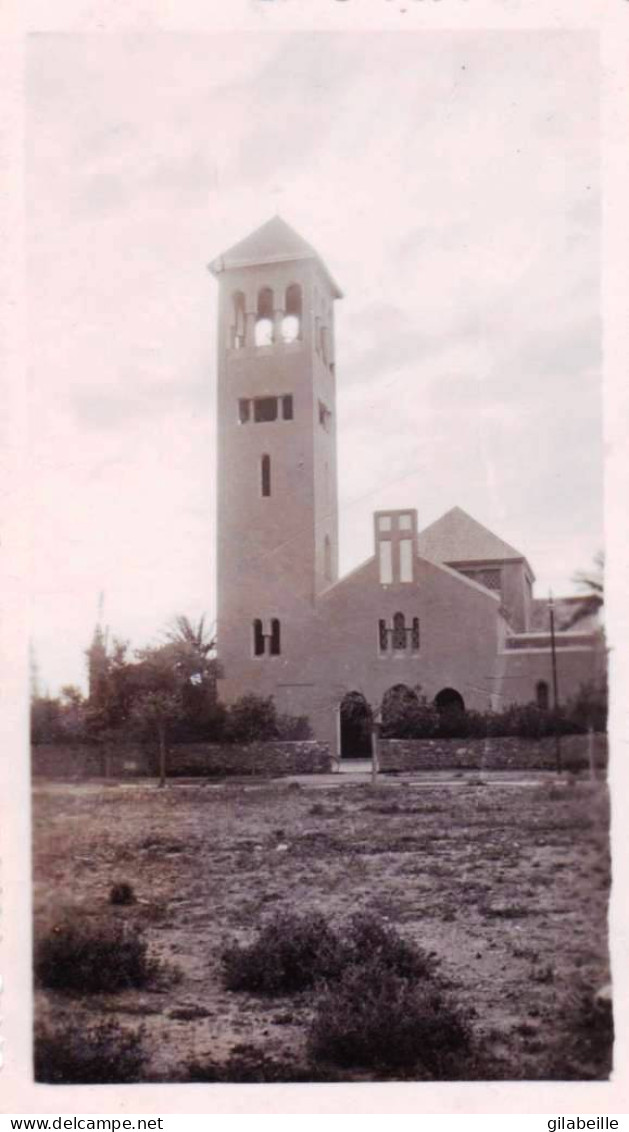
{"x":355,"y":727}
{"x":449,"y":702}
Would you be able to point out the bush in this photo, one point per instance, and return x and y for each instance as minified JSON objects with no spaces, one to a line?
{"x":290,"y":954}
{"x":373,"y":1018}
{"x":93,"y":959}
{"x":366,"y":939}
{"x":413,"y":718}
{"x":293,"y":953}
{"x":251,"y":718}
{"x":106,"y":1055}
{"x":292,"y":728}
{"x":121,"y":893}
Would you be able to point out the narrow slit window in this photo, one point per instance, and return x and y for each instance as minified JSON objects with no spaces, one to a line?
{"x":406,"y":560}
{"x":386,"y":564}
{"x":541,"y":695}
{"x":238,"y":328}
{"x":265,"y":475}
{"x":258,"y":638}
{"x":287,"y":408}
{"x":399,"y":632}
{"x":327,"y":558}
{"x":265,"y":409}
{"x":275,"y":637}
{"x":383,"y":635}
{"x":415,"y":635}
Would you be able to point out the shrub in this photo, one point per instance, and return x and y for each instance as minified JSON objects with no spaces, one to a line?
{"x":405,"y":715}
{"x":367,"y":939}
{"x":106,"y":1055}
{"x":373,"y":1018}
{"x":290,"y":954}
{"x":121,"y":893}
{"x":292,"y":728}
{"x":93,"y":958}
{"x":251,"y":718}
{"x":293,"y":953}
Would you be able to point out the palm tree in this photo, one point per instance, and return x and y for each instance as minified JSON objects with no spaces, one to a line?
{"x":183,"y":632}
{"x":192,"y":649}
{"x":592,"y":584}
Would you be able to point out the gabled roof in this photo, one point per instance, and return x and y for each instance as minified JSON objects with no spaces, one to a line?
{"x":457,"y":537}
{"x":273,"y":242}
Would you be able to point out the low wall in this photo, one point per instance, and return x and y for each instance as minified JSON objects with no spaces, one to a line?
{"x":399,"y":755}
{"x":271,"y":760}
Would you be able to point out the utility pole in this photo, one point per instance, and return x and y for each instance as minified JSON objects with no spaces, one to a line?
{"x":553,"y":651}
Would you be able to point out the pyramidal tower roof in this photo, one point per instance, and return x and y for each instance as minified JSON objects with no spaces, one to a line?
{"x":274,"y":242}
{"x":457,"y":537}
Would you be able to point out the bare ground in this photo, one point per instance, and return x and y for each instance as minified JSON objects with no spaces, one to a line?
{"x":508,"y":885}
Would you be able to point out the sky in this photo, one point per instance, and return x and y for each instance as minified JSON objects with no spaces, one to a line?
{"x":450,"y":181}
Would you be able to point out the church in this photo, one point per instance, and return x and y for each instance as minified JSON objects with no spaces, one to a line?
{"x":448,"y":609}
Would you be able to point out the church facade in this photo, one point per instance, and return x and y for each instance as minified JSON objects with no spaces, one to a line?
{"x":448,"y":609}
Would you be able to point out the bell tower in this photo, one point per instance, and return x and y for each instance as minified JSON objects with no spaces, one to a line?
{"x":276,"y":477}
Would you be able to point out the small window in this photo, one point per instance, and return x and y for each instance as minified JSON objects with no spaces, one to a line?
{"x":238,"y":327}
{"x":244,"y":410}
{"x":264,"y":318}
{"x":399,"y":632}
{"x":265,"y":409}
{"x":325,"y":416}
{"x":405,"y":522}
{"x":291,"y":323}
{"x":386,"y":565}
{"x":265,"y":475}
{"x":327,"y":558}
{"x":406,"y":560}
{"x":275,"y":637}
{"x":384,"y":523}
{"x":287,"y":408}
{"x":383,"y":635}
{"x":415,"y":635}
{"x":258,"y":638}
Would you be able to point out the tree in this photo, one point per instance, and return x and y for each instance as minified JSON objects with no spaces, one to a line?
{"x":191,"y":649}
{"x":152,"y":713}
{"x":593,"y":585}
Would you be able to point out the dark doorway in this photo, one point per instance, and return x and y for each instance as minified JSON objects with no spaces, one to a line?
{"x":355,"y":727}
{"x":449,"y":702}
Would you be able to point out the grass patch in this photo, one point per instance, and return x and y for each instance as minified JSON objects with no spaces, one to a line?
{"x":247,"y":1063}
{"x":93,"y":958}
{"x":106,"y":1055}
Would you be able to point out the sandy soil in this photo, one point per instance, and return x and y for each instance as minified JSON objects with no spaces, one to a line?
{"x":508,"y":886}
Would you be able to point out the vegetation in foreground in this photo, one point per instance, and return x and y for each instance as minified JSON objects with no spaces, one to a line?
{"x":456,"y":932}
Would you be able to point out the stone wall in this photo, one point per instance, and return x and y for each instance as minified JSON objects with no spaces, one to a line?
{"x":270,"y":760}
{"x":505,"y":753}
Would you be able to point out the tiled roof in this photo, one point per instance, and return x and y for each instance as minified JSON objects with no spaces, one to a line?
{"x":274,"y":242}
{"x":457,"y":537}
